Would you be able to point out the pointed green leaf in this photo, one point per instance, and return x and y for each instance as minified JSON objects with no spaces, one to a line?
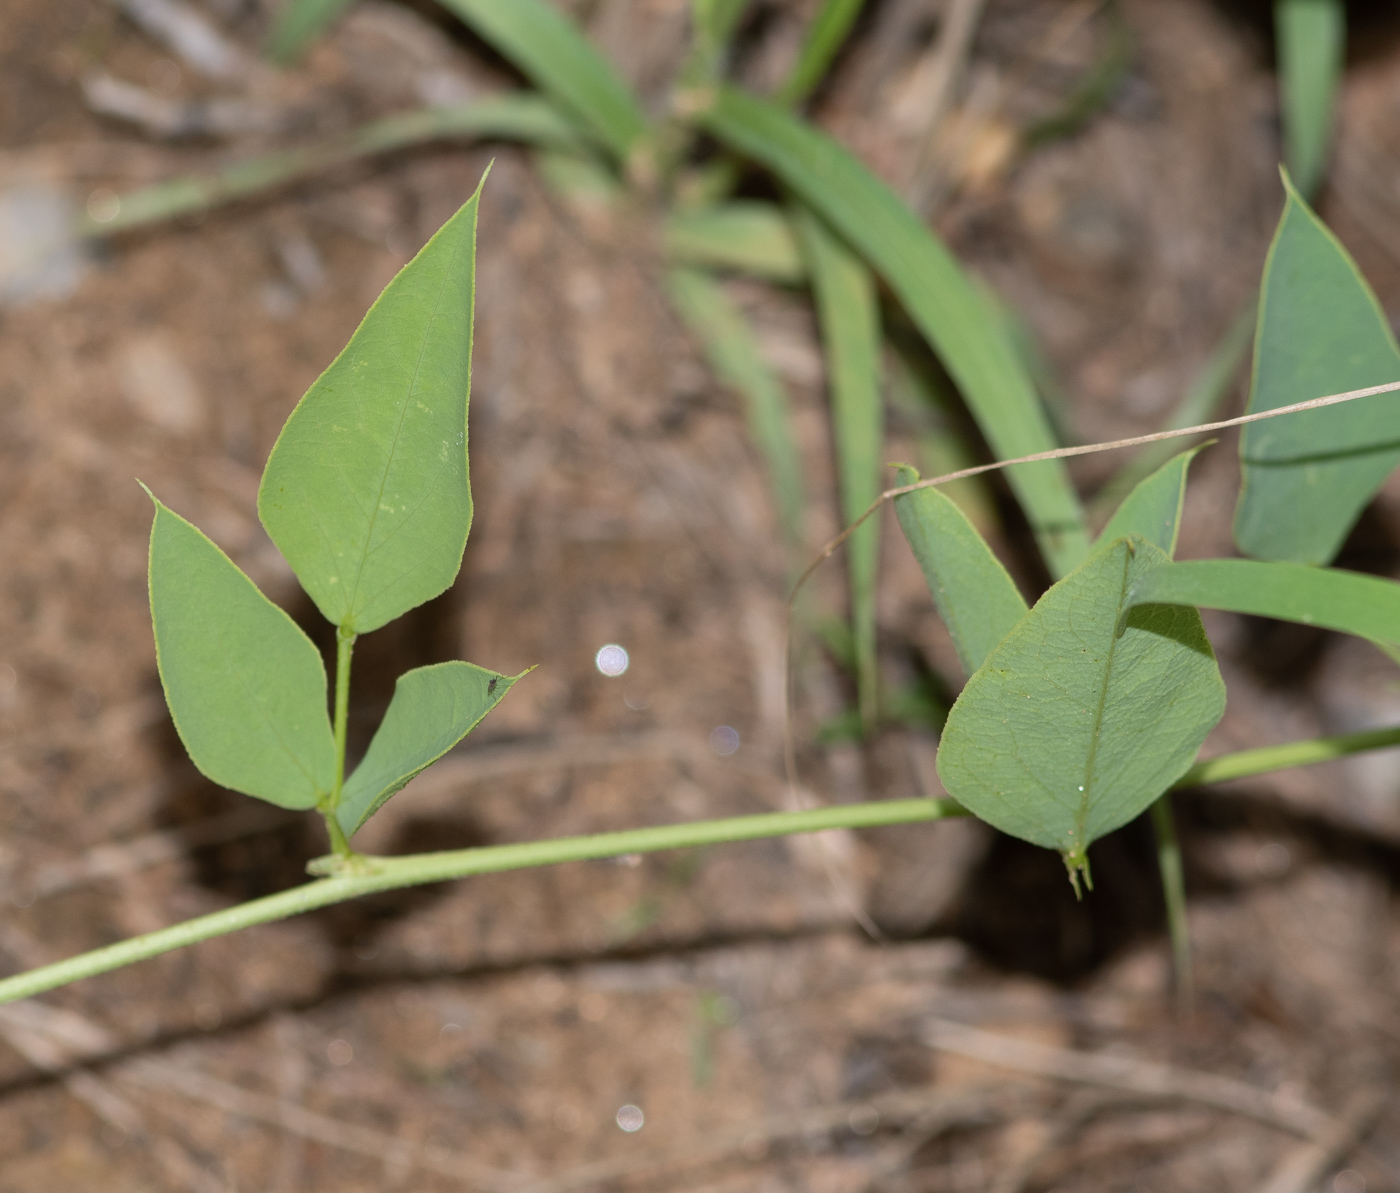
{"x":432,"y":710}
{"x":976,"y":598}
{"x":733,"y":352}
{"x":1311,"y":37}
{"x":1329,"y":598}
{"x":1153,"y":508}
{"x":546,"y":47}
{"x":749,"y":236}
{"x":1321,"y":331}
{"x":246,"y":688}
{"x":939,"y":297}
{"x":849,"y":317}
{"x":366,"y":491}
{"x":1070,"y":729}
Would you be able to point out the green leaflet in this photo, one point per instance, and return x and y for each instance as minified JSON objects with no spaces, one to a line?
{"x":432,"y":710}
{"x":748,"y":236}
{"x":1311,"y":36}
{"x":1070,"y":728}
{"x":850,"y":325}
{"x":546,"y":47}
{"x":246,"y":688}
{"x":1153,"y":509}
{"x":366,"y":491}
{"x":825,"y":37}
{"x":1321,"y":331}
{"x":712,"y":25}
{"x":976,"y":598}
{"x":734,"y":355}
{"x":299,"y":24}
{"x":938,"y":296}
{"x":1350,"y":602}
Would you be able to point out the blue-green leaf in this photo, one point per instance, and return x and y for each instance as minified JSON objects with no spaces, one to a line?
{"x":1153,"y":509}
{"x":366,"y":491}
{"x":432,"y":710}
{"x":1071,"y":727}
{"x":976,"y":598}
{"x":246,"y":688}
{"x":1311,"y":37}
{"x":1321,"y":331}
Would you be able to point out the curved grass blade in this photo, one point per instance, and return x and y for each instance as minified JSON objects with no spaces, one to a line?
{"x":523,"y":117}
{"x":1071,"y":728}
{"x":246,"y":688}
{"x":546,"y":47}
{"x":850,"y":326}
{"x":734,"y":355}
{"x":825,"y":37}
{"x":976,"y":598}
{"x":1199,"y":404}
{"x":432,"y":710}
{"x":938,"y":296}
{"x":1329,"y":598}
{"x":1307,"y":476}
{"x":1311,"y":37}
{"x":299,"y":24}
{"x":748,"y":236}
{"x":1153,"y":509}
{"x":366,"y":492}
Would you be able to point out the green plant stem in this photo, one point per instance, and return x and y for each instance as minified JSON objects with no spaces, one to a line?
{"x":366,"y":876}
{"x":344,"y":647}
{"x":1296,"y":753}
{"x":1174,"y":891}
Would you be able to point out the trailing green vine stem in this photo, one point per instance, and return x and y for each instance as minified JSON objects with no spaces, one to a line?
{"x":358,"y":876}
{"x":354,"y":876}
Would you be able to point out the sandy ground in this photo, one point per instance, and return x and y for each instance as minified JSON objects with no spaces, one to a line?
{"x":491,"y":1034}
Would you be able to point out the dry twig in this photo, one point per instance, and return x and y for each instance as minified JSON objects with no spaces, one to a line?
{"x":1133,"y":1076}
{"x":1303,"y":1170}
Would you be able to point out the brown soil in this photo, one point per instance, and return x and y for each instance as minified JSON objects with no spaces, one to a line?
{"x":485,"y":1034}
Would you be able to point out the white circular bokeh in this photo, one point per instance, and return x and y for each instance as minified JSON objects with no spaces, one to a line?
{"x":611,"y":659}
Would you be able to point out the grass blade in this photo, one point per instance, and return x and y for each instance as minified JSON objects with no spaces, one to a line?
{"x":734,"y":355}
{"x":366,"y":492}
{"x":747,"y":236}
{"x":976,"y":598}
{"x":1329,"y":598}
{"x":1198,"y":405}
{"x":712,"y":24}
{"x":1321,"y":331}
{"x":299,"y":24}
{"x":1082,"y":717}
{"x":850,"y":325}
{"x":517,"y":117}
{"x":1311,"y":37}
{"x":546,"y":47}
{"x":1174,"y":895}
{"x":825,"y":37}
{"x":938,"y":296}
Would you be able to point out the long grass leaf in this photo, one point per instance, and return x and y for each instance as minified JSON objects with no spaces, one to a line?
{"x":547,"y":48}
{"x":825,"y":37}
{"x":1311,"y":36}
{"x":747,"y":236}
{"x":299,"y":24}
{"x":733,"y":353}
{"x":1329,"y":598}
{"x":1198,"y":405}
{"x":522,"y":117}
{"x":937,"y":294}
{"x":712,"y":24}
{"x":849,"y":317}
